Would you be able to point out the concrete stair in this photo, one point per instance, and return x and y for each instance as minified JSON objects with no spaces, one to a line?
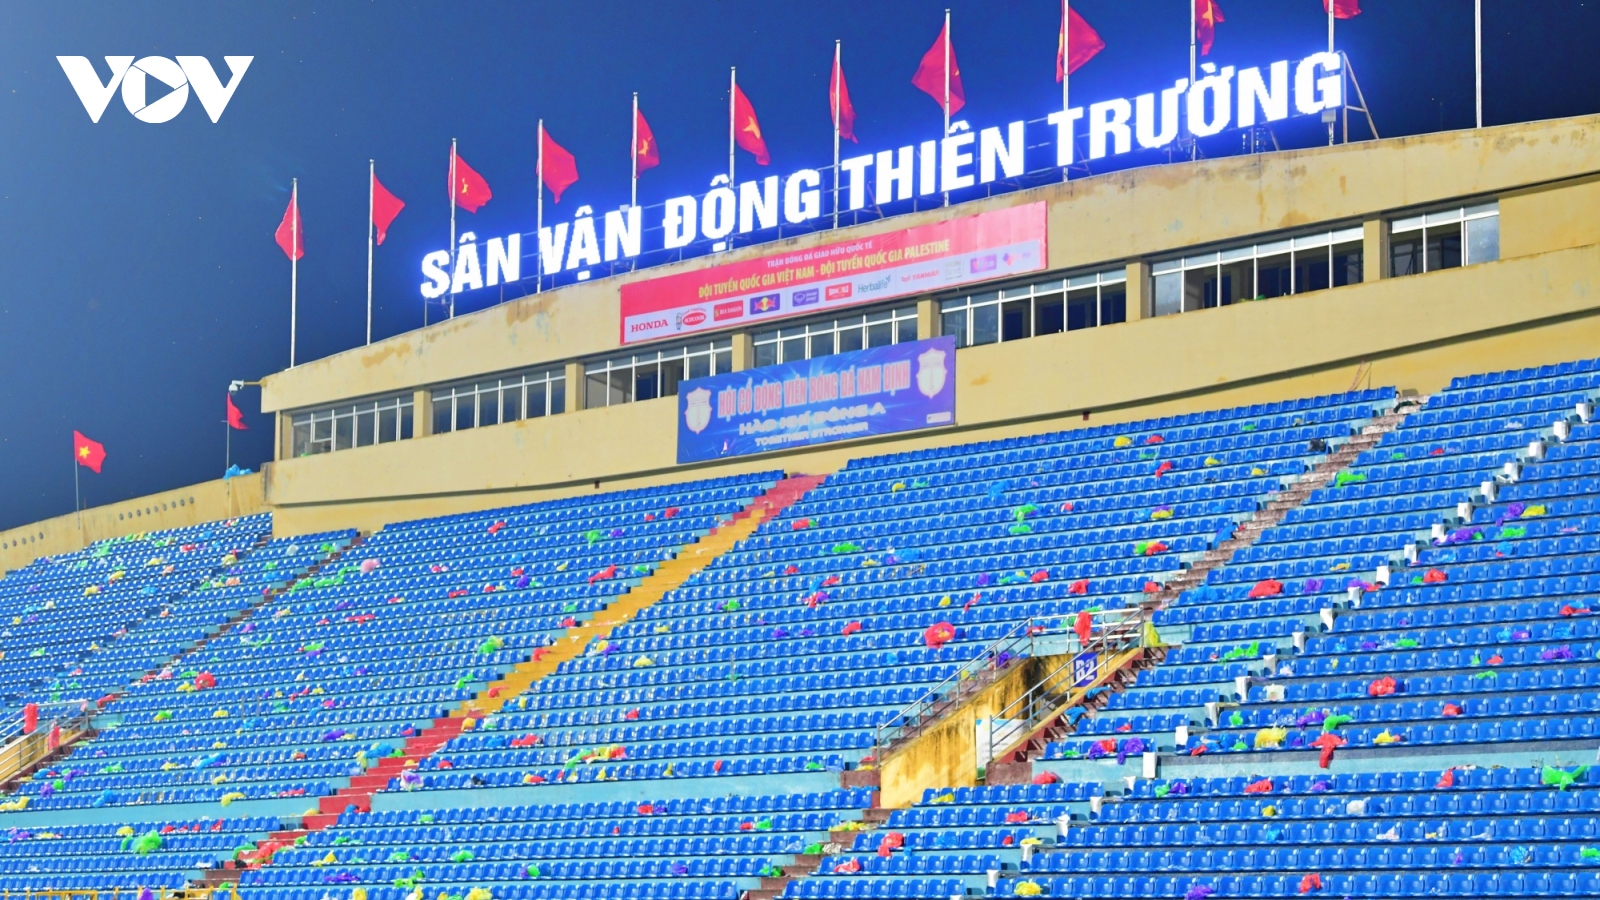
{"x":805,"y":865}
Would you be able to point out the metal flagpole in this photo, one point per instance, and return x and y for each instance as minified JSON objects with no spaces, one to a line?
{"x":1331,"y":5}
{"x":1193,"y":58}
{"x":372,"y":179}
{"x":946,"y":90}
{"x":77,"y":503}
{"x":1066,"y":63}
{"x":452,"y":226}
{"x":294,"y":266}
{"x":836,"y":105}
{"x":1477,"y":58}
{"x":733,"y":85}
{"x":538,"y":226}
{"x":227,"y":446}
{"x":633,"y":196}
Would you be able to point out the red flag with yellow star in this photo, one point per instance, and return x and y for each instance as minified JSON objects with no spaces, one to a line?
{"x":930,"y":77}
{"x":1077,"y":44}
{"x":469,"y":189}
{"x":1206,"y":16}
{"x":746,"y":130}
{"x":646,"y":154}
{"x":87,"y":453}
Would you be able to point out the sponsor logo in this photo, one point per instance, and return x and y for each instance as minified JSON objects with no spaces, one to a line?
{"x":805,"y":297}
{"x":727,"y":311}
{"x":691,"y":318}
{"x":873,"y":287}
{"x":177,"y":76}
{"x":649,"y":325}
{"x":764,"y":304}
{"x":919,"y":276}
{"x":837,"y":291}
{"x":985,"y":263}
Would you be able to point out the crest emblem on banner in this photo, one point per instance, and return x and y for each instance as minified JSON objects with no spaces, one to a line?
{"x":697,"y":409}
{"x":931,"y":373}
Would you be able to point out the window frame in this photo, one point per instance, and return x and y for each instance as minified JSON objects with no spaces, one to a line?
{"x":460,"y":407}
{"x":984,"y":314}
{"x":1415,"y":227}
{"x":1188,"y":272}
{"x":314,"y":432}
{"x":616,"y":379}
{"x":807,"y":335}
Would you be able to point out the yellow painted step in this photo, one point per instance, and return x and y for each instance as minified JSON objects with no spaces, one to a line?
{"x":671,"y":574}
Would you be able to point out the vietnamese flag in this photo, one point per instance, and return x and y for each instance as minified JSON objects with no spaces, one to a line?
{"x":1206,"y":16}
{"x":1077,"y":44}
{"x":646,"y":154}
{"x":560,"y":168}
{"x":844,"y":112}
{"x":470,"y":191}
{"x":930,"y":75}
{"x":235,"y":416}
{"x":385,"y":206}
{"x":87,"y":453}
{"x":746,"y":130}
{"x":1343,"y":9}
{"x":291,"y":233}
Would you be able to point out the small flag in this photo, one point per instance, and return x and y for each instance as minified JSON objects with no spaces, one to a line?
{"x":471,"y":192}
{"x":1343,"y":9}
{"x":844,"y":112}
{"x":647,"y":155}
{"x":235,"y":416}
{"x":1206,"y":16}
{"x":1078,"y":43}
{"x":746,"y":130}
{"x":930,"y":74}
{"x":89,"y":454}
{"x":560,"y":168}
{"x":385,"y":206}
{"x":291,"y":233}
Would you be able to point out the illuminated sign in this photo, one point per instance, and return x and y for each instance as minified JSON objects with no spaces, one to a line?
{"x":132,"y":77}
{"x":863,"y":270}
{"x":1219,"y":99}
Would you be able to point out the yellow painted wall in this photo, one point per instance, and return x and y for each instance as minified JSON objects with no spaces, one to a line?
{"x":205,"y":502}
{"x":1416,"y":332}
{"x":1105,"y":219}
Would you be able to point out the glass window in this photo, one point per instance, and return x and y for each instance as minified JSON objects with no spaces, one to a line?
{"x":1444,"y":239}
{"x":1346,"y":263}
{"x":1298,"y":264}
{"x":1113,"y":304}
{"x":1033,"y":310}
{"x":649,"y":374}
{"x":1169,"y":293}
{"x":444,"y":411}
{"x":350,"y":425}
{"x":842,"y":335}
{"x":508,"y":398}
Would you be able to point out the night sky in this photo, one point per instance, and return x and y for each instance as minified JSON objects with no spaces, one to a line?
{"x":141,"y":273}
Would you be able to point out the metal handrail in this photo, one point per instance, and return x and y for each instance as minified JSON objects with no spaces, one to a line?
{"x":1106,"y":640}
{"x":62,"y":711}
{"x":901,"y":721}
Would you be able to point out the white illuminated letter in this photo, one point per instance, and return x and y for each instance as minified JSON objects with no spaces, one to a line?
{"x":433,"y":269}
{"x":1274,"y":103}
{"x":1144,"y":121}
{"x":1007,"y":152}
{"x":469,"y":274}
{"x":928,"y":168}
{"x":679,"y":223}
{"x":1220,"y":87}
{"x":1062,"y":119}
{"x":1313,"y":93}
{"x":801,"y":198}
{"x":758,"y":204}
{"x":504,"y":259}
{"x":623,"y":229}
{"x":856,"y":168}
{"x":951,"y":158}
{"x":552,"y":243}
{"x":718,"y":213}
{"x":1109,"y":118}
{"x":894,"y":180}
{"x":585,"y":251}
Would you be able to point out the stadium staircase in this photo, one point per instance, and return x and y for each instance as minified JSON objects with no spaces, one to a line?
{"x":19,"y":766}
{"x":690,"y":560}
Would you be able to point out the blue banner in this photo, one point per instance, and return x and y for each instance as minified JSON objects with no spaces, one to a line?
{"x":862,"y":393}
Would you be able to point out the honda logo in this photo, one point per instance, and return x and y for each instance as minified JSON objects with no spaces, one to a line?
{"x":134,"y":78}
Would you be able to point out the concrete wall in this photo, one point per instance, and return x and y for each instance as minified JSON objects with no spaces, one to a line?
{"x":192,"y":505}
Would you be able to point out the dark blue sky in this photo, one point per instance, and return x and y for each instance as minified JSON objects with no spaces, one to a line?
{"x":141,"y":271}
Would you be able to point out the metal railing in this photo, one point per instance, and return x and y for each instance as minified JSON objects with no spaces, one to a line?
{"x":60,"y":722}
{"x":1113,"y":631}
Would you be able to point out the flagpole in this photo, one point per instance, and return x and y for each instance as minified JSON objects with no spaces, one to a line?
{"x":77,"y":504}
{"x":294,"y":266}
{"x":538,"y":226}
{"x":733,"y":85}
{"x":633,"y":153}
{"x":837,"y":103}
{"x":1477,"y":58}
{"x":946,"y":133}
{"x":1332,"y":4}
{"x":1066,"y":63}
{"x":452,"y":229}
{"x":372,"y":178}
{"x":1192,"y":60}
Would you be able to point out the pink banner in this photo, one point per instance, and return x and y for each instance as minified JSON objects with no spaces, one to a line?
{"x":904,"y":263}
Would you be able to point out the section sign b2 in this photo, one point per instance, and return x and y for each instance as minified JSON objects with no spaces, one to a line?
{"x":901,"y":387}
{"x":917,"y":260}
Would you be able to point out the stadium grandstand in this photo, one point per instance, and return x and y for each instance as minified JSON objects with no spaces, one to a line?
{"x":1255,"y":554}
